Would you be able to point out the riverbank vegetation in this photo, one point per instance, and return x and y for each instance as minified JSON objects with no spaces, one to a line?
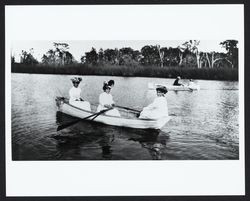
{"x":151,"y":61}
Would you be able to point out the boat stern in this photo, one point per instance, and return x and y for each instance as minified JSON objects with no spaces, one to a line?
{"x":161,"y":122}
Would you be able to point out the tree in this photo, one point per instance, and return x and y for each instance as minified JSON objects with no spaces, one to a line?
{"x":192,"y":46}
{"x":100,"y":56}
{"x":128,"y":56}
{"x":150,"y":55}
{"x":172,"y":56}
{"x":28,"y":58}
{"x":232,"y":51}
{"x":59,"y":55}
{"x":49,"y":58}
{"x":91,"y":57}
{"x":183,"y":52}
{"x":161,"y":55}
{"x":62,"y":55}
{"x":216,"y":59}
{"x":137,"y":56}
{"x":126,"y":51}
{"x":13,"y":60}
{"x":111,"y":56}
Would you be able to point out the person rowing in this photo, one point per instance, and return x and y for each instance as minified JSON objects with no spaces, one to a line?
{"x":159,"y":107}
{"x":106,"y":101}
{"x":75,"y":98}
{"x":176,"y":82}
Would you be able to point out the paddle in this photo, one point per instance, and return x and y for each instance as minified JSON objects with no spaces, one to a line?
{"x":139,"y":111}
{"x":190,"y":89}
{"x":127,"y":108}
{"x":76,"y":121}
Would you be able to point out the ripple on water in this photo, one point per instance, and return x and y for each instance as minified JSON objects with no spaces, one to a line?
{"x":204,"y":124}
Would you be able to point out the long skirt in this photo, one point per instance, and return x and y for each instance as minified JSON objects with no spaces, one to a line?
{"x":152,"y":114}
{"x":85,"y":105}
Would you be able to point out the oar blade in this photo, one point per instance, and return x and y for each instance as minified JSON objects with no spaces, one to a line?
{"x":78,"y":120}
{"x":67,"y":125}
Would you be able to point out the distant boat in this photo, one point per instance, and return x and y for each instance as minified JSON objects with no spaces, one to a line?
{"x":192,"y":87}
{"x":128,"y":118}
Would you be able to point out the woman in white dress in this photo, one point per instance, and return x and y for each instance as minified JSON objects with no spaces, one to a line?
{"x":106,"y":101}
{"x":75,"y":95}
{"x":159,"y":107}
{"x":191,"y":83}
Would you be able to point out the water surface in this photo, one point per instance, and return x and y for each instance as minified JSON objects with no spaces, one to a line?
{"x":204,"y":124}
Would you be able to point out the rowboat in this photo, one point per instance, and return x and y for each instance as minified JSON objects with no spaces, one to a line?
{"x":192,"y":87}
{"x":128,"y":118}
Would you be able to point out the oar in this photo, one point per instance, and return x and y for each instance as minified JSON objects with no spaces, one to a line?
{"x":190,"y":89}
{"x":139,"y":111}
{"x":127,"y":108}
{"x":76,"y":121}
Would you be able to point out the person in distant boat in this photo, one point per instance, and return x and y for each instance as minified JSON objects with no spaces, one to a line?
{"x":159,"y":107}
{"x":75,"y":95}
{"x":106,"y":101}
{"x":176,"y":82}
{"x":111,"y":83}
{"x":191,"y":83}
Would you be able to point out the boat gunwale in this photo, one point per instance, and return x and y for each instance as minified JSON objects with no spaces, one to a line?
{"x":195,"y":87}
{"x":90,"y":112}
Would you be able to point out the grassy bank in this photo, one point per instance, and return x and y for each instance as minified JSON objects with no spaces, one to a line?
{"x":133,"y":71}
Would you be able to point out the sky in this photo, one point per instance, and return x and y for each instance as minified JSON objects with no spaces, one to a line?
{"x":78,"y":48}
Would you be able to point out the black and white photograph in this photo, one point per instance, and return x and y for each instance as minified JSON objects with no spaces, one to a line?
{"x":125,"y":100}
{"x":156,"y":95}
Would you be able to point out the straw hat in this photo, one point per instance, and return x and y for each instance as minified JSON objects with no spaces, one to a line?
{"x":162,"y":89}
{"x":76,"y":80}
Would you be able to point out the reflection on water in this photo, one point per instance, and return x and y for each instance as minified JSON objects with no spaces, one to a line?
{"x":103,"y":138}
{"x":204,"y":123}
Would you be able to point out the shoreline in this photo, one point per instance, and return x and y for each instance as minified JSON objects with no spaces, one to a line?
{"x":220,"y":74}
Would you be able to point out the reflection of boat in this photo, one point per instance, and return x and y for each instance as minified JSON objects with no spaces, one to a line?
{"x":175,"y":88}
{"x":93,"y":141}
{"x":128,"y":118}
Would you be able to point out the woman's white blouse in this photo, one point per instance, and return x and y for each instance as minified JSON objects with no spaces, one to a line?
{"x":155,"y":110}
{"x":159,"y":103}
{"x":74,"y":94}
{"x":105,"y":99}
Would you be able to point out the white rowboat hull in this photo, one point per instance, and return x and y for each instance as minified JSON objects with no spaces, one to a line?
{"x":112,"y":120}
{"x":175,"y":88}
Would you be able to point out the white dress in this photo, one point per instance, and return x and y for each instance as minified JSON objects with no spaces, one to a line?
{"x":155,"y":110}
{"x":107,"y":99}
{"x":191,"y":84}
{"x":74,"y":99}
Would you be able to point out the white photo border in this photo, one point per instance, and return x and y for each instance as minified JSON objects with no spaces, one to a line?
{"x":124,"y":178}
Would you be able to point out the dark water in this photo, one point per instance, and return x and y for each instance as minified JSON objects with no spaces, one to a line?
{"x":204,"y":124}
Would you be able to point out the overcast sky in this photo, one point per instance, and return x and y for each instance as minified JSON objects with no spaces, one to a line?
{"x":78,"y":48}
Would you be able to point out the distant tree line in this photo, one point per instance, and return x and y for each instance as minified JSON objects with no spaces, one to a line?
{"x":185,"y":55}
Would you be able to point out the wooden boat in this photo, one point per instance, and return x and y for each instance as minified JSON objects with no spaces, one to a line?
{"x":192,"y":87}
{"x":128,"y":118}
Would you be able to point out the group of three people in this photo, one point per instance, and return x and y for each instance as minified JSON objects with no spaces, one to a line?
{"x":155,"y":110}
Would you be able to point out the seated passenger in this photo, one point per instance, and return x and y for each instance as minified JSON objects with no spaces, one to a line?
{"x":159,"y":107}
{"x":176,"y":82}
{"x":106,"y":101}
{"x":75,"y":95}
{"x":191,"y":83}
